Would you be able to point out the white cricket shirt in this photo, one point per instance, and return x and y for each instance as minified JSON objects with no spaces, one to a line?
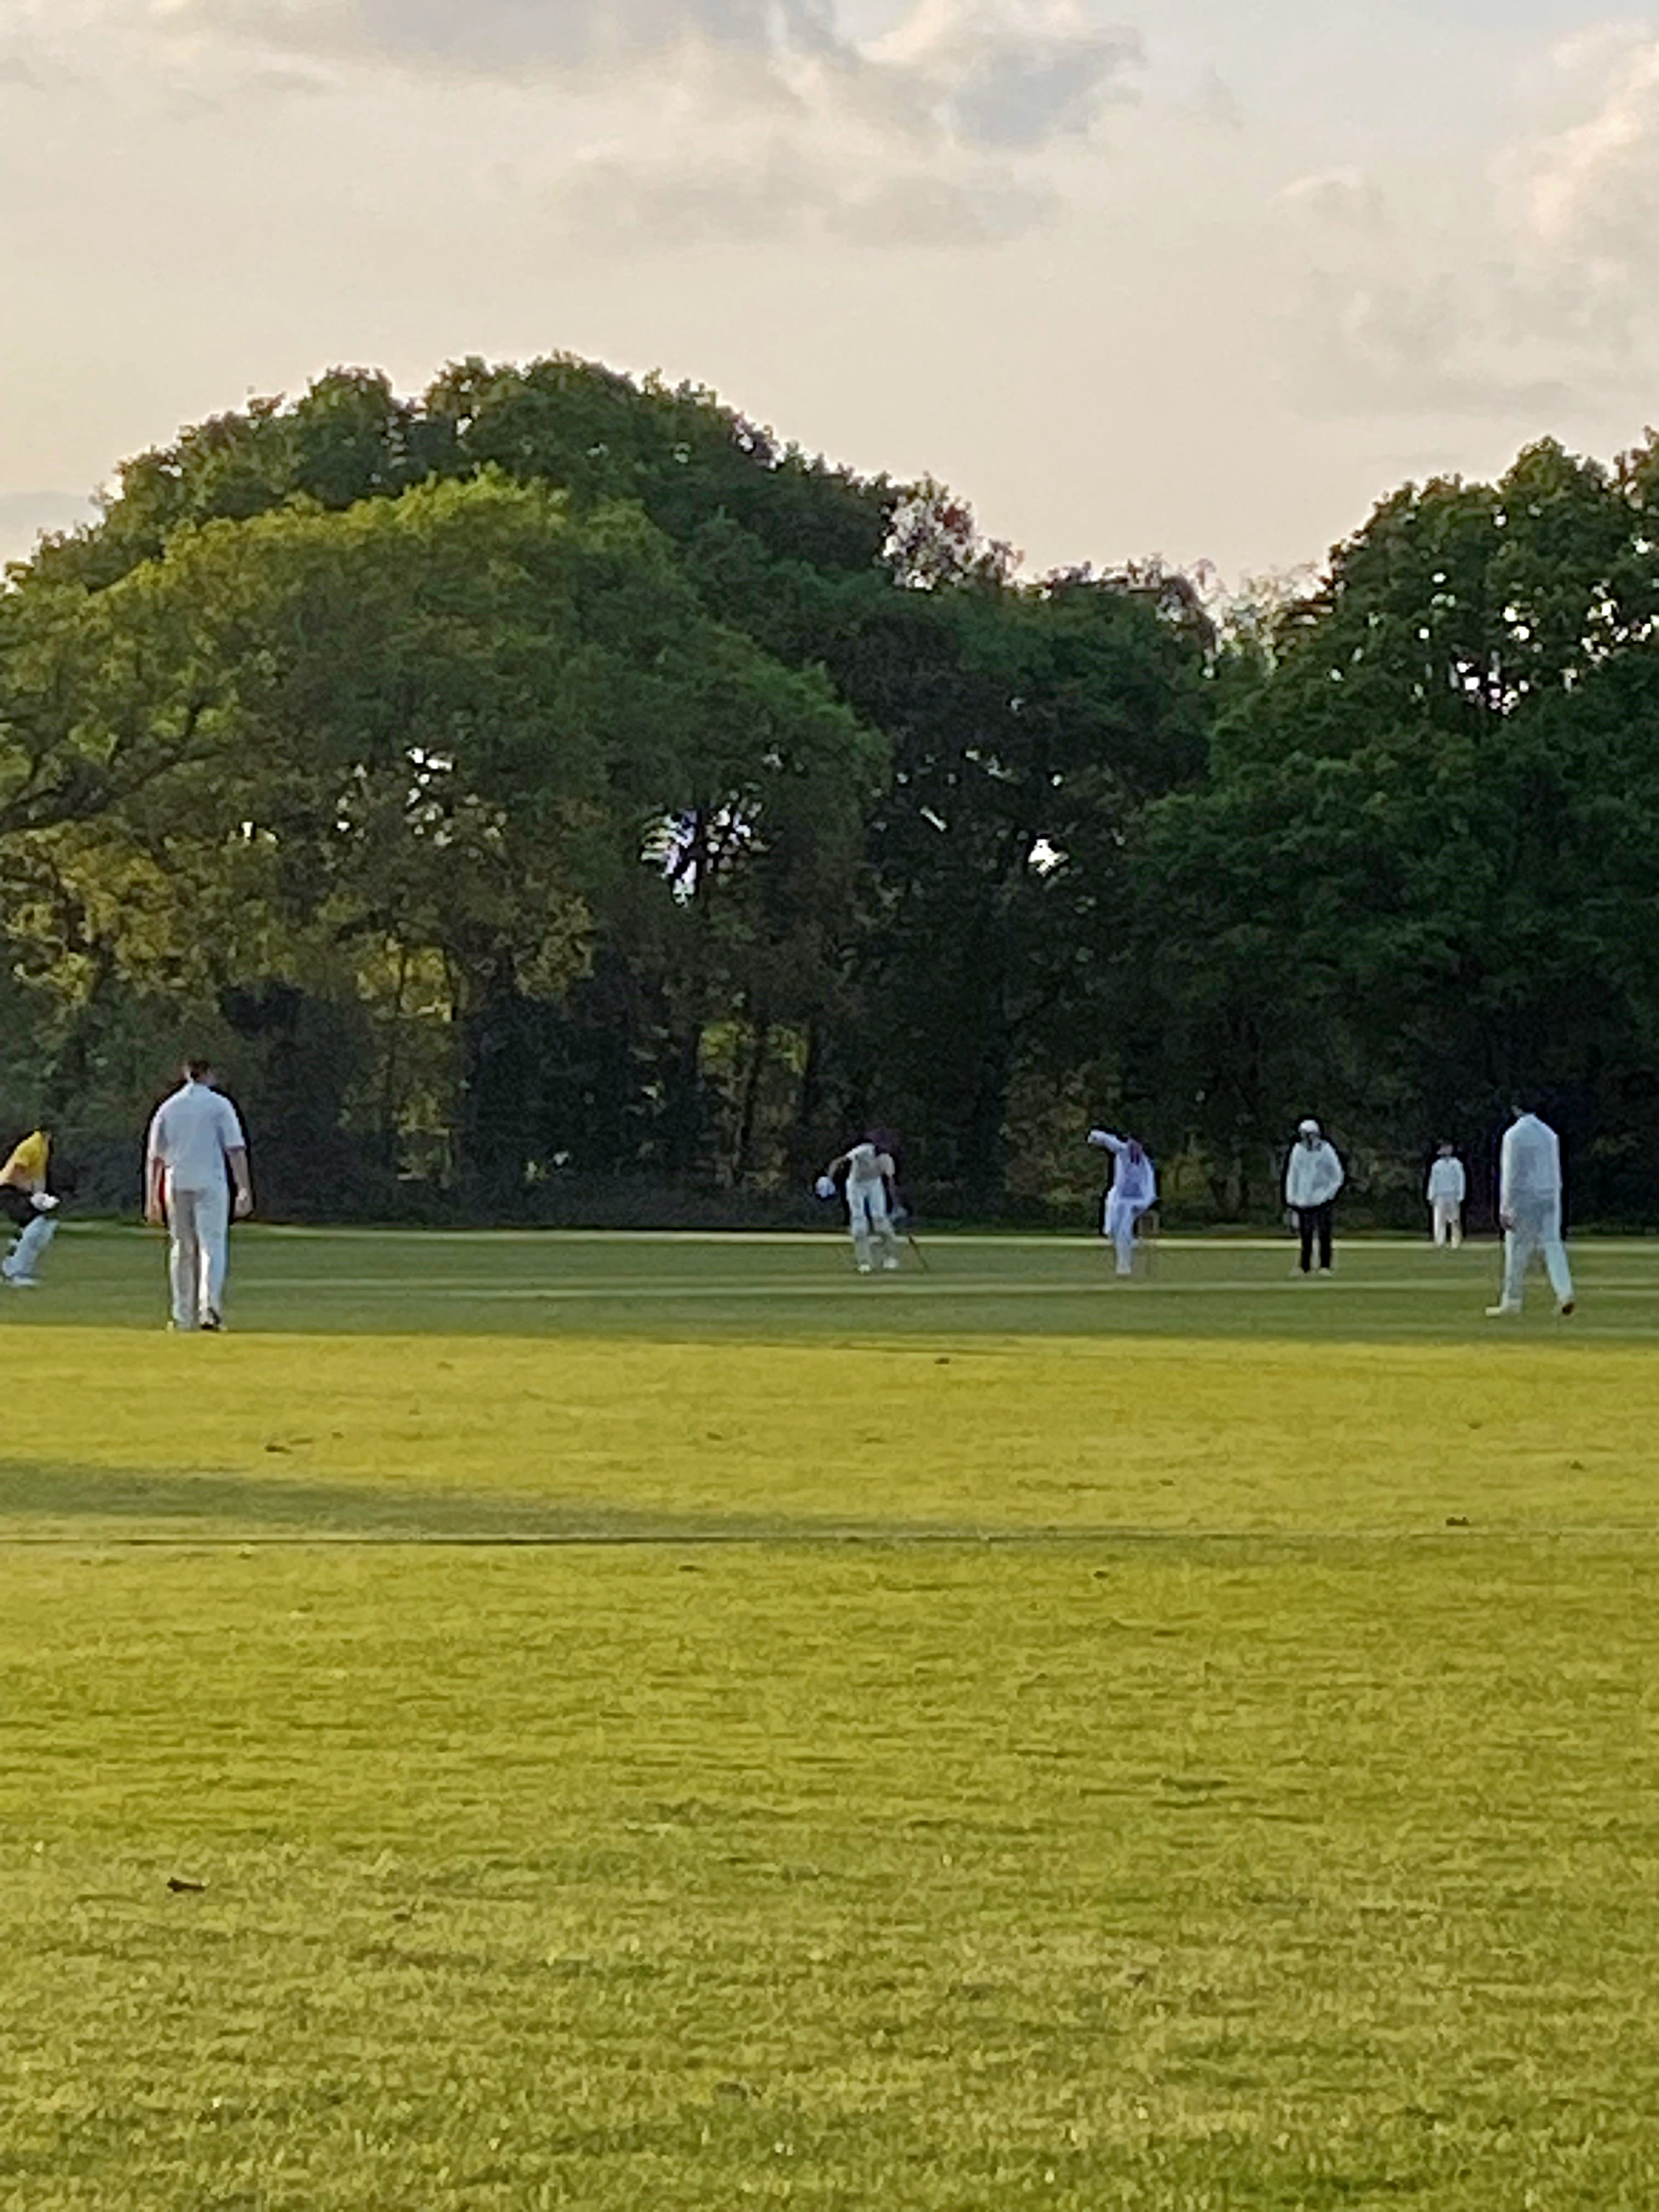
{"x":1447,"y":1184}
{"x":1530,"y":1166}
{"x":191,"y":1134}
{"x":1135,"y":1180}
{"x":865,"y":1164}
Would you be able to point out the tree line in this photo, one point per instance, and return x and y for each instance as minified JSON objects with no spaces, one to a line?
{"x":553,"y":797}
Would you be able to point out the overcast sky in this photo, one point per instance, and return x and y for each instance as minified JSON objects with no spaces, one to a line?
{"x":1202,"y":279}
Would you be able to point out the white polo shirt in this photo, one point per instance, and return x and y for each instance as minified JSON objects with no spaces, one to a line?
{"x":191,"y":1134}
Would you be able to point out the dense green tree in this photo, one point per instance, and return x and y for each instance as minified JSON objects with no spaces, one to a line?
{"x":1424,"y":869}
{"x":558,"y":776}
{"x":466,"y":725}
{"x":1029,"y":725}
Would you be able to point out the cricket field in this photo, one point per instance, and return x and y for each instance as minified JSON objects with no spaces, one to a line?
{"x":659,"y":1724}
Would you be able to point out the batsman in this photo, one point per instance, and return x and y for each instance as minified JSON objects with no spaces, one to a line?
{"x":30,"y":1209}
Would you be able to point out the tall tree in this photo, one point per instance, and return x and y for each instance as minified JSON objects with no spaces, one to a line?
{"x":1029,"y":725}
{"x":1420,"y":872}
{"x":456,"y":724}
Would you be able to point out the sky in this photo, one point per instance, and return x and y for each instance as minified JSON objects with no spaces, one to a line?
{"x":1202,"y":279}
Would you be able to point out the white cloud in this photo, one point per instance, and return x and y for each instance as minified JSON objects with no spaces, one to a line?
{"x":1014,"y":73}
{"x":1509,"y":287}
{"x":1337,"y":200}
{"x":1428,"y":343}
{"x":680,"y":121}
{"x":1214,"y":101}
{"x":1593,"y":189}
{"x":932,"y":136}
{"x":495,"y":36}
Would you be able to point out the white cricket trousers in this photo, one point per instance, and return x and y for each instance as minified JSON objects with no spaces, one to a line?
{"x":200,"y":1223}
{"x":1121,"y":1215}
{"x":1448,"y":1221}
{"x":872,"y":1223}
{"x":1537,"y":1230}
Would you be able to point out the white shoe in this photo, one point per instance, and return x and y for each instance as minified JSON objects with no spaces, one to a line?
{"x":863,"y":1266}
{"x":889,"y":1267}
{"x":22,"y":1282}
{"x":1501,"y":1311}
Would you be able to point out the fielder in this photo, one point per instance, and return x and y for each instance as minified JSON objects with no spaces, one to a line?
{"x":869,"y":1172}
{"x":1134,"y":1188}
{"x":1449,"y":1186}
{"x":197,"y":1151}
{"x":1313,"y":1176}
{"x":1529,"y":1211}
{"x":29,"y":1207}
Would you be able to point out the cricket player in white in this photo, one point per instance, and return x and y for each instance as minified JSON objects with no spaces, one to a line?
{"x":869,"y":1173}
{"x":196,"y":1150}
{"x":1134,"y":1188}
{"x":1529,"y":1211}
{"x":1449,"y":1186}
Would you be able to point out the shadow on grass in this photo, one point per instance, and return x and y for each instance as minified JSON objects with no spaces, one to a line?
{"x":44,"y":1501}
{"x":41,"y":1504}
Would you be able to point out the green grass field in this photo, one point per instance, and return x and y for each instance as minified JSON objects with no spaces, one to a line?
{"x":660,"y":1722}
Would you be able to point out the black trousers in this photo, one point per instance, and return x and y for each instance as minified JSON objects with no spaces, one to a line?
{"x":1315,"y":1221}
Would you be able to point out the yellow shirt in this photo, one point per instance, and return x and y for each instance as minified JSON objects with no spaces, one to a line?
{"x":27,"y":1168}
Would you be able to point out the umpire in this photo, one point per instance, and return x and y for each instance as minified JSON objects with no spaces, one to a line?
{"x":1313,"y":1177}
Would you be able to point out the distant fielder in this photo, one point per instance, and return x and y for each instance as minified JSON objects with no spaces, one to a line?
{"x":29,"y":1208}
{"x":1134,"y":1188}
{"x":1529,"y":1209}
{"x":868,"y":1172}
{"x":1449,"y":1186}
{"x":197,"y":1151}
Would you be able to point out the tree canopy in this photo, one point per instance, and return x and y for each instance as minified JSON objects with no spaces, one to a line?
{"x":556,"y":792}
